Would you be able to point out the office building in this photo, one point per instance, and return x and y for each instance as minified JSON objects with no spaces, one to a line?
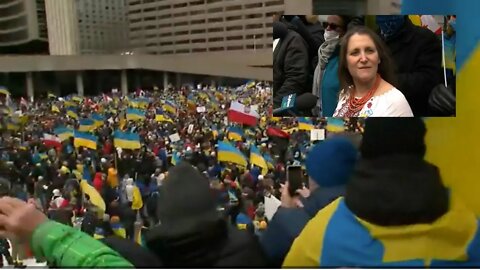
{"x":21,"y":22}
{"x":192,"y":26}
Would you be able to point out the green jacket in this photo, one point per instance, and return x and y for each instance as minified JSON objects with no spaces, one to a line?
{"x":66,"y":246}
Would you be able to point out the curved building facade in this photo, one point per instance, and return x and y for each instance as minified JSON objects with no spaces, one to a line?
{"x":191,"y":26}
{"x":22,"y":21}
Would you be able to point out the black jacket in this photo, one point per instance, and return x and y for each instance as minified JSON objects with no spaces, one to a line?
{"x":290,"y":67}
{"x":417,"y":53}
{"x":221,"y":245}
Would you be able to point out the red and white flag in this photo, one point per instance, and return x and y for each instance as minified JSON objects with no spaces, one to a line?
{"x":429,"y":22}
{"x":107,"y":98}
{"x":51,"y":140}
{"x":242,"y":114}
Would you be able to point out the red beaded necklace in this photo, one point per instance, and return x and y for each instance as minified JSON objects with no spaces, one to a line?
{"x":355,"y":105}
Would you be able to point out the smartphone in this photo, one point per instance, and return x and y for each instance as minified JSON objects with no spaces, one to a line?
{"x":294,"y":178}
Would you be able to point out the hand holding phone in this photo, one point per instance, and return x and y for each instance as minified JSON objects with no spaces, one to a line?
{"x":295,"y":179}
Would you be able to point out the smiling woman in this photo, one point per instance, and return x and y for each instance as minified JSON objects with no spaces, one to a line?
{"x":366,"y":78}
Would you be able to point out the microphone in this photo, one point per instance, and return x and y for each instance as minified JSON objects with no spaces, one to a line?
{"x":293,"y":104}
{"x":280,"y":30}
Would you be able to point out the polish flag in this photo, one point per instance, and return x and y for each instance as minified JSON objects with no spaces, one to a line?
{"x":51,"y":140}
{"x":242,"y":114}
{"x":429,"y":22}
{"x":107,"y":98}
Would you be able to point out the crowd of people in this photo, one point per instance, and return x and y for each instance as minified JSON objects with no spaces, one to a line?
{"x":200,"y":176}
{"x":96,"y":163}
{"x":368,"y":66}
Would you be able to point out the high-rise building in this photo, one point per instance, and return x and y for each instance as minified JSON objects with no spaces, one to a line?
{"x":353,"y":7}
{"x":87,"y":26}
{"x":102,"y":25}
{"x":22,"y":21}
{"x":190,"y":26}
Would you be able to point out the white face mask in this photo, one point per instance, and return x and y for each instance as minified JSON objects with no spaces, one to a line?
{"x":331,"y":35}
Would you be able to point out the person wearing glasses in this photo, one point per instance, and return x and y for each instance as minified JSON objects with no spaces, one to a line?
{"x":367,"y":77}
{"x":326,"y":85}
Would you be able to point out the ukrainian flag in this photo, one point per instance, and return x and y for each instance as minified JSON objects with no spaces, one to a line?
{"x":161,"y":117}
{"x":63,"y":133}
{"x":85,"y":139}
{"x":269,"y":160}
{"x":55,"y":108}
{"x":137,"y":202}
{"x":335,"y":237}
{"x":126,"y":140}
{"x":235,"y":133}
{"x":95,"y":197}
{"x":452,"y":143}
{"x":135,"y":114}
{"x":98,"y":119}
{"x":77,"y":99}
{"x":118,"y":230}
{"x":50,"y":95}
{"x":86,"y":175}
{"x":214,"y":132}
{"x":305,"y":124}
{"x":67,"y":103}
{"x":4,"y":91}
{"x":335,"y":124}
{"x":228,"y":153}
{"x":169,"y":106}
{"x":256,"y":158}
{"x":191,"y":102}
{"x":141,"y":103}
{"x":175,"y":158}
{"x":72,"y":112}
{"x":86,"y":125}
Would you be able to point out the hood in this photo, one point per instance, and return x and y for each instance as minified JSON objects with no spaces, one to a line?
{"x":397,"y":190}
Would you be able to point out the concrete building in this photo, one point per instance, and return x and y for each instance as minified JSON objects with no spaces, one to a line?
{"x":22,"y":21}
{"x":192,"y":26}
{"x":352,"y":7}
{"x":87,"y":26}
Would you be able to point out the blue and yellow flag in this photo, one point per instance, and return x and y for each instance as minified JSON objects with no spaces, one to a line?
{"x":235,"y":133}
{"x":335,"y":237}
{"x":86,"y":125}
{"x":137,"y":202}
{"x":72,"y":112}
{"x":214,"y":131}
{"x":169,"y":106}
{"x":256,"y":158}
{"x":98,"y":119}
{"x":228,"y":153}
{"x":55,"y":108}
{"x":126,"y":140}
{"x":161,"y":117}
{"x":95,"y":197}
{"x":305,"y":123}
{"x":452,"y":143}
{"x":63,"y":133}
{"x":175,"y":158}
{"x":335,"y":124}
{"x":135,"y":114}
{"x":269,"y":160}
{"x":85,"y":139}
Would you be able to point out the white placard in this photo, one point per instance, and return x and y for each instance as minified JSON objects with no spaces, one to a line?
{"x":190,"y":129}
{"x":201,"y":109}
{"x":174,"y":137}
{"x":317,"y":135}
{"x":114,"y":90}
{"x":271,"y":206}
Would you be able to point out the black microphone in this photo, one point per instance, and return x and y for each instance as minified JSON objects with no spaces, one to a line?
{"x":305,"y":101}
{"x":280,"y":30}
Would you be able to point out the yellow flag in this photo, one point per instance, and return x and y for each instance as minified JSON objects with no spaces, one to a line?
{"x":95,"y":197}
{"x":137,"y":202}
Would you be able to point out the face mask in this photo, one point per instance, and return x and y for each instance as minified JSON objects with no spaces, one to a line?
{"x":331,"y":35}
{"x":390,"y":24}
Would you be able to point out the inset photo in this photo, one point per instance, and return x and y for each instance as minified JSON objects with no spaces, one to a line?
{"x":364,"y":66}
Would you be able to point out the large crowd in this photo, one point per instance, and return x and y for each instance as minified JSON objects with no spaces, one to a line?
{"x":96,"y":163}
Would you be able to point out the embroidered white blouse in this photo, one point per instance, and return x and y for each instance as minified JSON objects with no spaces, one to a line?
{"x":389,"y":104}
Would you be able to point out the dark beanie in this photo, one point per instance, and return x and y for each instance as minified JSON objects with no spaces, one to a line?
{"x":385,"y":136}
{"x":185,"y":202}
{"x":331,"y":163}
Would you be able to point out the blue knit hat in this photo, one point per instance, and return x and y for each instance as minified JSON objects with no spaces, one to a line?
{"x":331,"y":163}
